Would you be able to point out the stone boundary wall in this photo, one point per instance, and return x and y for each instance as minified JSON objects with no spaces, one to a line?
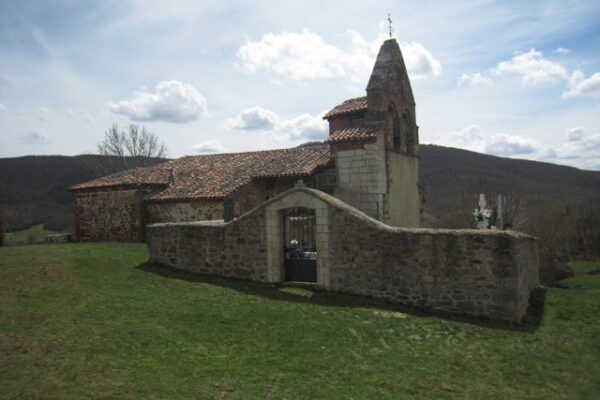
{"x":231,"y":249}
{"x":477,"y":273}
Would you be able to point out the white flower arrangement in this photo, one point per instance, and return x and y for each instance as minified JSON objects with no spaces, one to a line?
{"x":480,"y":215}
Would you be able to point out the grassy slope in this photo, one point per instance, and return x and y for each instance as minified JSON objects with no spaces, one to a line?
{"x":82,"y":321}
{"x":37,"y":234}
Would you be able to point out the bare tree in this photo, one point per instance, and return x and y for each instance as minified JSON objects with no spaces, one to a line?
{"x":127,"y":148}
{"x":514,"y":209}
{"x":135,"y":146}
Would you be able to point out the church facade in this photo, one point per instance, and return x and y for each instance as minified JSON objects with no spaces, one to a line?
{"x":369,"y":161}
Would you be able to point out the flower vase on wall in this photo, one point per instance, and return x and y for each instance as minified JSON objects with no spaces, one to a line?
{"x":482,"y":224}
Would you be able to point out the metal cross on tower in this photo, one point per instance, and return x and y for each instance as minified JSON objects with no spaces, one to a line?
{"x":390,"y":22}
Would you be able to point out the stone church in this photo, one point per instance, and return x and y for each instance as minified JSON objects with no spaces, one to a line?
{"x":370,"y":161}
{"x":351,"y":225}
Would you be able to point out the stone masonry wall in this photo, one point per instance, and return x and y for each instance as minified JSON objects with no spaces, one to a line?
{"x":258,"y":191}
{"x":478,"y":273}
{"x":110,"y":215}
{"x":235,"y":249}
{"x":201,"y":210}
{"x":362,"y":180}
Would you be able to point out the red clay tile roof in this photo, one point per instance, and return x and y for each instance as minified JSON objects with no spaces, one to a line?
{"x":350,"y":106}
{"x":216,"y":176}
{"x":157,"y":175}
{"x":356,"y":131}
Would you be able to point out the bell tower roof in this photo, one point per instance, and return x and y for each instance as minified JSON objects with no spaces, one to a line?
{"x":389,"y":78}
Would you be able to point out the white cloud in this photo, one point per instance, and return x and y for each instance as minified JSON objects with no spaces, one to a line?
{"x":2,"y":107}
{"x":172,"y":101}
{"x":579,"y":85}
{"x":306,"y":56}
{"x":510,"y":145}
{"x":473,"y":79}
{"x":34,"y":136}
{"x":271,"y":126}
{"x":305,"y":127}
{"x":471,"y":138}
{"x":254,"y":118}
{"x":562,"y":50}
{"x":533,"y":68}
{"x":208,"y":147}
{"x":420,"y":64}
{"x":547,"y":154}
{"x":575,"y":134}
{"x":580,"y":150}
{"x":42,"y":114}
{"x":296,"y":55}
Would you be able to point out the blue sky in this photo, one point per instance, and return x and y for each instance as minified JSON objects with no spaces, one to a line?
{"x":518,"y":79}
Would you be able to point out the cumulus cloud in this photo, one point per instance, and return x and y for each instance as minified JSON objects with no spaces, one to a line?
{"x":579,"y":85}
{"x":575,"y":134}
{"x":580,"y":150}
{"x":271,"y":126}
{"x":34,"y":136}
{"x":305,"y":127}
{"x":297,"y":55}
{"x":172,"y":101}
{"x":547,"y":154}
{"x":419,"y":61}
{"x":471,"y":138}
{"x":306,"y":56}
{"x":562,"y":50}
{"x":510,"y":145}
{"x":42,"y":114}
{"x":208,"y":147}
{"x":533,"y":68}
{"x":473,"y":79}
{"x":254,"y":118}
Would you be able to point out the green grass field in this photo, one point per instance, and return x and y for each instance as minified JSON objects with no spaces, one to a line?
{"x":96,"y":321}
{"x":35,"y":234}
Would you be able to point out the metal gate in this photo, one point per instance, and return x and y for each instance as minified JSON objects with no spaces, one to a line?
{"x":300,"y":245}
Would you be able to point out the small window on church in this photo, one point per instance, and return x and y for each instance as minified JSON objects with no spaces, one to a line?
{"x":396,"y":134}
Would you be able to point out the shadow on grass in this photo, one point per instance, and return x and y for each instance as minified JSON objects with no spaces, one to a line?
{"x":530,"y":323}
